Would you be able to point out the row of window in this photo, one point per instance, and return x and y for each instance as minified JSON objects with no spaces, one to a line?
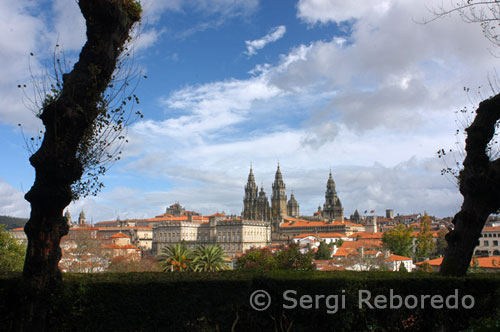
{"x":487,"y":243}
{"x":490,"y":235}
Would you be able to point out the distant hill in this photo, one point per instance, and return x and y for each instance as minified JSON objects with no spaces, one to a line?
{"x":13,"y":222}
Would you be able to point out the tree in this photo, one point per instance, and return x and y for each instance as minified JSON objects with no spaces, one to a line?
{"x":424,"y":246}
{"x":68,"y":118}
{"x":324,"y":251}
{"x":12,"y":253}
{"x":479,"y":185}
{"x":441,"y":243}
{"x":83,"y":252}
{"x":124,"y":264}
{"x":256,"y":259}
{"x":399,"y":240}
{"x":290,"y":258}
{"x":175,"y":258}
{"x":209,"y":259}
{"x":484,"y":12}
{"x":480,"y":177}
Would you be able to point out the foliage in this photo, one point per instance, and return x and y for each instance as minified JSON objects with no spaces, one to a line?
{"x":176,"y":258}
{"x":287,"y":258}
{"x":290,"y":258}
{"x":257,"y":259}
{"x":12,"y":253}
{"x":365,"y":263}
{"x":209,"y":259}
{"x":104,"y":141}
{"x":474,"y":267}
{"x":83,"y":252}
{"x":125,"y":264}
{"x":217,"y":301}
{"x":324,"y":251}
{"x":424,"y":246}
{"x":441,"y":243}
{"x":424,"y":267}
{"x":399,"y":240}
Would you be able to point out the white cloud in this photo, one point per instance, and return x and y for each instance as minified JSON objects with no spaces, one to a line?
{"x":69,"y":26}
{"x":12,"y":202}
{"x":324,"y":11}
{"x":273,"y":35}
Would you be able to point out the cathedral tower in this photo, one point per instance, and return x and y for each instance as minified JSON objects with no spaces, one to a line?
{"x":293,"y":207}
{"x":250,"y":199}
{"x":332,"y":209}
{"x":278,"y":199}
{"x":263,"y":209}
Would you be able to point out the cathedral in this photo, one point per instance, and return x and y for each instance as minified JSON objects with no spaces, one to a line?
{"x":256,"y":205}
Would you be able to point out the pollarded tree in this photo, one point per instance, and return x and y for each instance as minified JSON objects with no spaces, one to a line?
{"x":69,"y":119}
{"x":479,"y":180}
{"x":479,"y":183}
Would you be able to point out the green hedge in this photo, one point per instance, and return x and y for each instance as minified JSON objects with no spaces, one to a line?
{"x":217,"y":301}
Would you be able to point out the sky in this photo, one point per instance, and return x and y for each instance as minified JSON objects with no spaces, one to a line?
{"x":361,"y":88}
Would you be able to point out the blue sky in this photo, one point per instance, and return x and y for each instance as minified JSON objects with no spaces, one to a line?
{"x":354,"y":86}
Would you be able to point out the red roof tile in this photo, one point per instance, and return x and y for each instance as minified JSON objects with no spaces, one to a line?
{"x":119,"y":235}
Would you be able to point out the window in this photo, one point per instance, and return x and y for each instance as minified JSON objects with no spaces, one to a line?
{"x":486,"y":243}
{"x":495,"y":243}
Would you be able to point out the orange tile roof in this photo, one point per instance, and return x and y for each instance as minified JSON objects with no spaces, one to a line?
{"x":116,"y":246}
{"x":18,"y":229}
{"x":394,"y":258}
{"x":216,"y":215}
{"x":367,"y":235}
{"x":320,"y":235}
{"x":434,"y":234}
{"x":117,"y":228}
{"x":492,"y":229}
{"x":106,"y":222}
{"x":492,"y":262}
{"x":305,"y":223}
{"x":327,"y":265}
{"x":350,"y":248}
{"x":119,"y":235}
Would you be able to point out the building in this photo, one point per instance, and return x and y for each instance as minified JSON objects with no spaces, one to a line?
{"x":488,"y":242}
{"x":233,"y":235}
{"x":278,"y":198}
{"x":119,"y":245}
{"x":292,"y":207}
{"x":291,"y":227}
{"x":332,"y":208}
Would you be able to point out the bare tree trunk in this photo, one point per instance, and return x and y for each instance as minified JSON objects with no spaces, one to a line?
{"x":67,"y":120}
{"x":480,"y":186}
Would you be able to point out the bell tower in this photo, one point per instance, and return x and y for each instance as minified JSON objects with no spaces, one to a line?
{"x":250,"y":199}
{"x":332,"y":209}
{"x":278,"y":199}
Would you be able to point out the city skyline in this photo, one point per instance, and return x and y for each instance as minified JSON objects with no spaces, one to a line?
{"x":363,"y":89}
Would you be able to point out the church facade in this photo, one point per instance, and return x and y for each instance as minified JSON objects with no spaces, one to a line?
{"x":284,"y":215}
{"x":256,"y":205}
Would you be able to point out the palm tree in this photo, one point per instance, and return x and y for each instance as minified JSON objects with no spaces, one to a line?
{"x":209,"y":259}
{"x":175,"y":258}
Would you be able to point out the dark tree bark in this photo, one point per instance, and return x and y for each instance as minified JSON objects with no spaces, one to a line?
{"x":480,"y":185}
{"x":67,"y":120}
